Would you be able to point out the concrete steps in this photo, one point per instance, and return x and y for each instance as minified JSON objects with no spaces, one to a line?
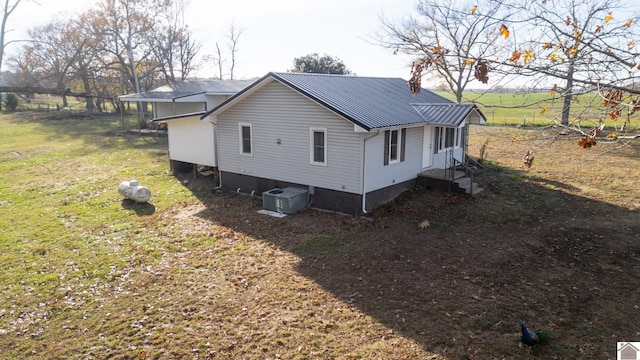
{"x":464,"y":183}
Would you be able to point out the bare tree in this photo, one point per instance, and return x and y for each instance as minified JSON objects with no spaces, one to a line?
{"x":570,"y":46}
{"x":582,"y":45}
{"x":234,"y":36}
{"x":125,"y":26}
{"x":174,"y":47}
{"x":8,"y":7}
{"x":219,"y":59}
{"x":450,"y":40}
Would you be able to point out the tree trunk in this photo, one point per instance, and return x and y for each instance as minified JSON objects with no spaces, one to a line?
{"x":87,"y":88}
{"x":568,"y":95}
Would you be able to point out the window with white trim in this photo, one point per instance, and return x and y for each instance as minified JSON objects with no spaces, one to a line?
{"x":394,"y":146}
{"x":318,"y":146}
{"x":447,"y":138}
{"x":246,"y":139}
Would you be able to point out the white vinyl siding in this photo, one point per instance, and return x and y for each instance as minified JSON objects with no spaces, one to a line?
{"x":162,"y":110}
{"x":192,"y":141}
{"x":280,"y":119}
{"x":378,"y":175}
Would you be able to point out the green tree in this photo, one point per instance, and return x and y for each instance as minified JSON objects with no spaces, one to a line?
{"x":10,"y":102}
{"x":314,"y":63}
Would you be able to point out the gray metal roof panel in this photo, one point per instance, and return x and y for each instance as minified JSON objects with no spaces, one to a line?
{"x":367,"y":101}
{"x":186,"y":88}
{"x":371,"y":103}
{"x":443,"y":114}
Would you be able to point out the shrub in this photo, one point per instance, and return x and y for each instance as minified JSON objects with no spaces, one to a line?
{"x":10,"y":102}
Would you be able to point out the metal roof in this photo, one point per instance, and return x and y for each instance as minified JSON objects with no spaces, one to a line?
{"x":369,"y":102}
{"x":178,"y":116}
{"x":449,"y":114}
{"x":186,"y":88}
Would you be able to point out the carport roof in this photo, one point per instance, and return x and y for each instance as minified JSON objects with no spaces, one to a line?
{"x":187,"y":88}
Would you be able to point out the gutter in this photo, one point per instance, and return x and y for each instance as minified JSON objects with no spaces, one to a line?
{"x":364,"y":170}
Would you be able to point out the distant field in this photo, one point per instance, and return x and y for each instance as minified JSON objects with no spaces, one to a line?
{"x":529,"y":109}
{"x":523,"y":109}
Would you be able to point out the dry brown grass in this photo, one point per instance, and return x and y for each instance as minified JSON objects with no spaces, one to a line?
{"x":207,"y":277}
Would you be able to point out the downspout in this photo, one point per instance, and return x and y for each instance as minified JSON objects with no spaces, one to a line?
{"x":364,"y":170}
{"x":216,"y":149}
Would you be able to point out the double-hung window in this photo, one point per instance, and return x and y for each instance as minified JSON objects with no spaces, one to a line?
{"x":246,"y":144}
{"x":394,"y":146}
{"x":318,"y":146}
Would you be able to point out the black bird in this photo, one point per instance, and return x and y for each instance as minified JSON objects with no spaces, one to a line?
{"x":532,"y":337}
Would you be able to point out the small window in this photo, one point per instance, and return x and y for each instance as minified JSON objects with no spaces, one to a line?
{"x":394,"y":146}
{"x":448,"y":138}
{"x":246,"y":147}
{"x":459,"y":137}
{"x":318,"y":144}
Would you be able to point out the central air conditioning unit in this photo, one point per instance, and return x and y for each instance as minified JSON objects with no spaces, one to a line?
{"x":287,"y":201}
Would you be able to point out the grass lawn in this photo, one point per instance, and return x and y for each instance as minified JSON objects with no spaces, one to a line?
{"x":198,"y":274}
{"x":542,"y":109}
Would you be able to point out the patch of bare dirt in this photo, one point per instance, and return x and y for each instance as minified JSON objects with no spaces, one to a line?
{"x":546,"y":245}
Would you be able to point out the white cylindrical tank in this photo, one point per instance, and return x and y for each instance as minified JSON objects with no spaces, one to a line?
{"x":134,"y":191}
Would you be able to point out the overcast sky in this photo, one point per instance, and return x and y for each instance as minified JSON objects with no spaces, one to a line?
{"x":274,"y":31}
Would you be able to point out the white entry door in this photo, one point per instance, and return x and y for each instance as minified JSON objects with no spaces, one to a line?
{"x":427,"y":147}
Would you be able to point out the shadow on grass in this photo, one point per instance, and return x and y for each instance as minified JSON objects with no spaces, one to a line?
{"x":141,"y":209}
{"x":557,"y":184}
{"x":560,"y":262}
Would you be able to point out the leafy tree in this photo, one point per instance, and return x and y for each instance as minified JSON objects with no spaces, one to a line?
{"x":314,"y":63}
{"x":66,"y":55}
{"x":10,"y":102}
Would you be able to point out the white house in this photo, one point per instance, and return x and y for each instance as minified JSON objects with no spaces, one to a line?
{"x":180,"y":105}
{"x":352,"y":142}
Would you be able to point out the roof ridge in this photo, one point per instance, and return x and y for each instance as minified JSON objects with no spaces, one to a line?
{"x":276,"y":73}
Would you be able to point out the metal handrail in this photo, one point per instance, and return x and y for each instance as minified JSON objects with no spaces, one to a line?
{"x":467,"y":172}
